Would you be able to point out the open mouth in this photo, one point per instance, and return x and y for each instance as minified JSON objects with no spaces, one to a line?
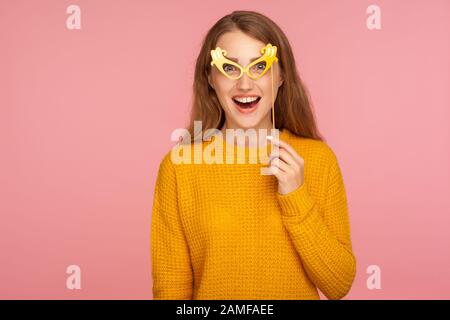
{"x":247,"y":104}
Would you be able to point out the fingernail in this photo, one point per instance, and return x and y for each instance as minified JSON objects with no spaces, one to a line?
{"x":269,"y":137}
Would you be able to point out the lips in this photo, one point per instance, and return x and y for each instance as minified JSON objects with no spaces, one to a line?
{"x":248,"y":106}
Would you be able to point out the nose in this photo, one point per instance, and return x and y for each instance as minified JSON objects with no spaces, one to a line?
{"x":245,"y":83}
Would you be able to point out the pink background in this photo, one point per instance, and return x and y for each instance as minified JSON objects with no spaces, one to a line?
{"x":86,"y":116}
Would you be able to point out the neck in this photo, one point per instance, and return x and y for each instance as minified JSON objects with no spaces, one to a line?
{"x":267,"y":127}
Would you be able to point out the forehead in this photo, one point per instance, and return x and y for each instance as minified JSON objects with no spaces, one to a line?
{"x":241,"y":46}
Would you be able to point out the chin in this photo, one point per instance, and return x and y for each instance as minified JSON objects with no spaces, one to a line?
{"x":250,"y":120}
{"x":248,"y":124}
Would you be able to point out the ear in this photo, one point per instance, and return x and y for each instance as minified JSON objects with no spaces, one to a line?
{"x":210,"y":81}
{"x":281,"y":80}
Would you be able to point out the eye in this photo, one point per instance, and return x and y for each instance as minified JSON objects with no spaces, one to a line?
{"x":261,"y":66}
{"x":258,"y":68}
{"x":229,"y":68}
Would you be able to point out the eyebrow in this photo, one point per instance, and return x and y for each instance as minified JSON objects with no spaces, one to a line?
{"x":236,"y":60}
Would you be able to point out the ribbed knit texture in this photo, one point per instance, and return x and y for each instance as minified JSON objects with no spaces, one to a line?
{"x":222,"y":231}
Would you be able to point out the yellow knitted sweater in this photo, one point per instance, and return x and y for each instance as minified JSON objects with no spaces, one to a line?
{"x":222,"y":231}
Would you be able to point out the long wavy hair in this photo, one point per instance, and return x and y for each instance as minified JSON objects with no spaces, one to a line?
{"x":293,"y":109}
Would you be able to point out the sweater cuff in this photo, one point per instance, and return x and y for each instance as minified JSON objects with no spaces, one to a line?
{"x":296,"y":203}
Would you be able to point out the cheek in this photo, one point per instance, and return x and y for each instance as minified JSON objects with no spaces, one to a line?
{"x":266,"y":86}
{"x":222,"y":87}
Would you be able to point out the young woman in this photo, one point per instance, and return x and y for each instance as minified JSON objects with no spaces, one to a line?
{"x":225,"y":231}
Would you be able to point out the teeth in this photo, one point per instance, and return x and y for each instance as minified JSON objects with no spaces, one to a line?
{"x":246,"y":99}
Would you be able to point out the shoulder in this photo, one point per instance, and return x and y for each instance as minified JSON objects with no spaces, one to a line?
{"x":179,"y":155}
{"x":166,"y":164}
{"x":320,"y":158}
{"x":165,"y":170}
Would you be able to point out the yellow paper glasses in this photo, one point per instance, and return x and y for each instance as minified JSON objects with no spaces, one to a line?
{"x":254,"y":70}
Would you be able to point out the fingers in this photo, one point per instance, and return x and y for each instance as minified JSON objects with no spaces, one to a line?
{"x":288,"y":148}
{"x":288,"y":158}
{"x":276,"y":171}
{"x":286,"y":165}
{"x":280,"y":164}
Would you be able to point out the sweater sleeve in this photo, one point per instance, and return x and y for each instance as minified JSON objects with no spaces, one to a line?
{"x":171,"y":266}
{"x":322,"y":239}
